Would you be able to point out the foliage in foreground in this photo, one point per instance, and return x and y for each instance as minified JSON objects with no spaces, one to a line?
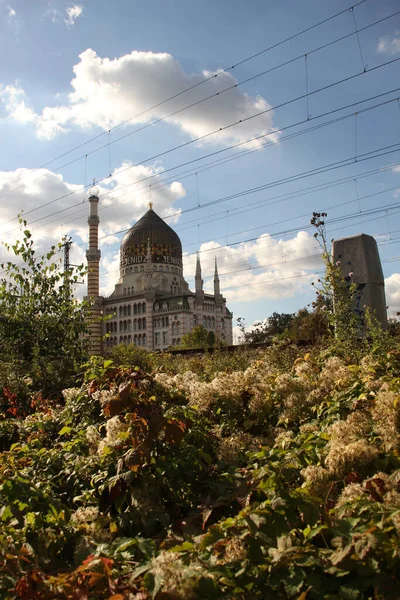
{"x":279,"y":478}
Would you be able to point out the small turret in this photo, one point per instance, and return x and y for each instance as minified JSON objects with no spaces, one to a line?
{"x":217,"y":291}
{"x":198,"y":280}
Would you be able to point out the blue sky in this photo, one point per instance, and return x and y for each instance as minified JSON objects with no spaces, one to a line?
{"x":71,"y":72}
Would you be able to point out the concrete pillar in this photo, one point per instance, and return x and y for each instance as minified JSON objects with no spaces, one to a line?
{"x":358,"y":254}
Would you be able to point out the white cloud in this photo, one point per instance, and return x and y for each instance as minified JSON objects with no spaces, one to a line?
{"x":68,"y":16}
{"x":11,"y":12}
{"x":389,"y":44}
{"x":285,"y":267}
{"x":392,"y":291}
{"x":109,"y":91}
{"x":14,"y":101}
{"x":73,"y":12}
{"x":119,"y":209}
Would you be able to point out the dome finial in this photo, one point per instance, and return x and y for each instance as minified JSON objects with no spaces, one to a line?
{"x":150,"y":205}
{"x":94,"y":190}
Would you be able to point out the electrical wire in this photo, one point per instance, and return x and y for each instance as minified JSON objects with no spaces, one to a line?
{"x":211,"y":77}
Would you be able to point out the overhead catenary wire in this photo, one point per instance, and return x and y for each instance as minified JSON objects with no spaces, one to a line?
{"x":216,"y":131}
{"x":204,"y":81}
{"x":218,"y":152}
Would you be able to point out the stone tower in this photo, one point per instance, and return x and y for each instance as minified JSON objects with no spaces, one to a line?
{"x":359,"y":255}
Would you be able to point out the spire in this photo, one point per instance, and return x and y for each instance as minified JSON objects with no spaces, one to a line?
{"x":198,"y":279}
{"x":217,"y":291}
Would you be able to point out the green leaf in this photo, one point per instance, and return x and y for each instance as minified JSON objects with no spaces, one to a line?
{"x":65,"y":430}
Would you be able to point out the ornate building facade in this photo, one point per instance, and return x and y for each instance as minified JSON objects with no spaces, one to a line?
{"x":151,"y":305}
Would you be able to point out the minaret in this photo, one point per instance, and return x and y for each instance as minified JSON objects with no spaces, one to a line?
{"x":93,"y":259}
{"x":199,"y":281}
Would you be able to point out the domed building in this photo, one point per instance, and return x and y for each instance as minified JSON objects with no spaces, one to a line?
{"x":151,"y":305}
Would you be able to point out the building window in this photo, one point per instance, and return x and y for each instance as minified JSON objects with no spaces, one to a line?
{"x":157,"y":338}
{"x":165,"y":337}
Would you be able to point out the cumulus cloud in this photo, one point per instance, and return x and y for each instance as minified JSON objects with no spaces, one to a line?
{"x":122,"y":201}
{"x":109,"y":91}
{"x":389,"y":44}
{"x":14,"y":102}
{"x":267,"y":268}
{"x":392,"y":291}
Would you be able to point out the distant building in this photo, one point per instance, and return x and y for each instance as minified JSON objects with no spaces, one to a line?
{"x":151,"y":305}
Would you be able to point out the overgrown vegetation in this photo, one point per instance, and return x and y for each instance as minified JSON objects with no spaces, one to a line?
{"x":266,"y":473}
{"x":42,"y":327}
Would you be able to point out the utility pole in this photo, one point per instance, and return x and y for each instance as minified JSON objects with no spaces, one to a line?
{"x":66,"y":245}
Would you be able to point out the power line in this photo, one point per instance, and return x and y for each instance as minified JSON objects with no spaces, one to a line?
{"x":200,"y":138}
{"x":266,"y":145}
{"x":214,"y":95}
{"x":211,"y":77}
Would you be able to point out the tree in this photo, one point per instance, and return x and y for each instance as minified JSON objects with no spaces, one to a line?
{"x":42,"y":326}
{"x":199,"y":337}
{"x":264,"y":331}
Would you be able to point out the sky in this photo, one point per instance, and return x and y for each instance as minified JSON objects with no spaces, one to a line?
{"x":229,"y":119}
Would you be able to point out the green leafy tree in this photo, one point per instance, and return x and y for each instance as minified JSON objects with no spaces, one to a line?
{"x":199,"y":337}
{"x":42,"y":326}
{"x":264,"y":331}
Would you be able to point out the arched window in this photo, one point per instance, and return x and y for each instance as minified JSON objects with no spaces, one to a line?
{"x":144,"y":307}
{"x":129,"y":324}
{"x":129,"y":339}
{"x":129,"y":310}
{"x":135,"y":309}
{"x":213,"y":322}
{"x":139,"y":339}
{"x":120,"y":311}
{"x":135,"y":324}
{"x":144,"y":339}
{"x":135,"y":340}
{"x":166,"y":321}
{"x":161,"y":268}
{"x":144,"y":323}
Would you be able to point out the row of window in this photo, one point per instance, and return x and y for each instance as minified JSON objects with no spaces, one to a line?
{"x":138,"y":340}
{"x":208,"y":307}
{"x":140,"y":323}
{"x":139,"y":308}
{"x":161,"y":322}
{"x":209,"y":322}
{"x":157,"y":338}
{"x":141,"y":269}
